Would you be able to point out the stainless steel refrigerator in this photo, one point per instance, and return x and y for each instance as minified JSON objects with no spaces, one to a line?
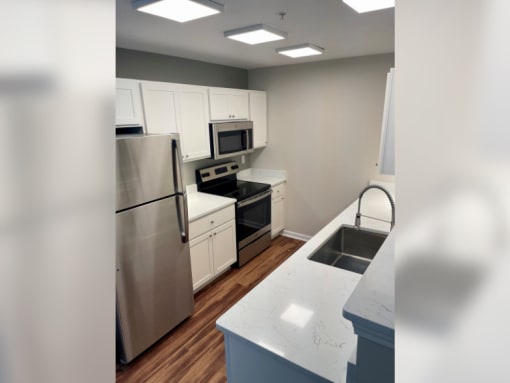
{"x":153,"y":285}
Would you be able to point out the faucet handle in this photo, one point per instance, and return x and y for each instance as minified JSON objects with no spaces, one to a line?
{"x":357,"y":221}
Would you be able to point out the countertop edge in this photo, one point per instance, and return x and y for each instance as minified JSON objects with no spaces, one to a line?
{"x":218,"y":204}
{"x":273,"y":177}
{"x":360,"y":308}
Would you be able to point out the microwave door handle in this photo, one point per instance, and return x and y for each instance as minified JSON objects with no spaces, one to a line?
{"x":246,"y":139}
{"x":181,"y":198}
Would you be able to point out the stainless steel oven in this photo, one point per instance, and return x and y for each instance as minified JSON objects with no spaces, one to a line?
{"x":231,"y":138}
{"x":253,"y":207}
{"x":253,"y":225}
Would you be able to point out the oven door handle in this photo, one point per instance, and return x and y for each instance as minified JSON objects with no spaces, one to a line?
{"x":258,"y":197}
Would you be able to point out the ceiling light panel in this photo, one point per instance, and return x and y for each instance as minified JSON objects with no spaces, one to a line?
{"x":362,"y":6}
{"x":179,"y":10}
{"x":301,"y":50}
{"x":255,"y":34}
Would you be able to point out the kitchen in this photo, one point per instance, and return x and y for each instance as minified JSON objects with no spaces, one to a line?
{"x":58,"y":271}
{"x":330,"y":109}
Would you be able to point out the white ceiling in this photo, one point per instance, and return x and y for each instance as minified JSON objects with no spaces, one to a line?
{"x":328,"y":23}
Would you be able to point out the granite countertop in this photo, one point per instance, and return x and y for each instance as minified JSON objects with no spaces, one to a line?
{"x":371,"y":307}
{"x":296,"y":312}
{"x":202,"y":204}
{"x":265,"y":176}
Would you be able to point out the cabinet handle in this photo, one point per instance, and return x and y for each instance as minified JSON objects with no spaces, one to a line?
{"x":212,"y":222}
{"x":210,"y":235}
{"x":214,"y":233}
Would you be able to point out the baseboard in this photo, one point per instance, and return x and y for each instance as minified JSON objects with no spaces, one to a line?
{"x":294,"y":235}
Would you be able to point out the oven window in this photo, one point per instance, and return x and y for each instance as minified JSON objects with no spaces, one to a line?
{"x":253,"y":217}
{"x":231,"y":142}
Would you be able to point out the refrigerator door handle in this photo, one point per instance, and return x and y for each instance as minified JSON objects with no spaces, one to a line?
{"x":177,"y":165}
{"x":182,"y":203}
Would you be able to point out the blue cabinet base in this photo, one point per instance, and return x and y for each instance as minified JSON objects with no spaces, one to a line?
{"x":251,"y":363}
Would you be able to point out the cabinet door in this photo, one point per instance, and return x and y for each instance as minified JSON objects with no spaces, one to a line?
{"x":387,"y":146}
{"x":194,"y":119}
{"x":277,"y":216}
{"x":218,"y":103}
{"x":160,"y":103}
{"x":238,"y":104}
{"x":258,"y":114}
{"x":228,"y":104}
{"x":128,"y":103}
{"x":224,"y":246}
{"x":201,"y":264}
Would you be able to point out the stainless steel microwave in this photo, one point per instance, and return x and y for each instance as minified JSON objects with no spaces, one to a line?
{"x":231,"y":138}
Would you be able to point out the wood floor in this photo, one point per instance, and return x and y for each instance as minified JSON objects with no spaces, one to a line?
{"x":194,"y":351}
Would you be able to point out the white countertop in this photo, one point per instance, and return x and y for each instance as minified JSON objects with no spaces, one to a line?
{"x":371,"y":306}
{"x":296,"y":312}
{"x":265,"y":176}
{"x":202,"y":204}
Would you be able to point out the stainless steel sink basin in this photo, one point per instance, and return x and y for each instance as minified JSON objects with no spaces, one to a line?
{"x":350,"y":248}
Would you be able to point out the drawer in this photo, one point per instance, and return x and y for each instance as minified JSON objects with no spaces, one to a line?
{"x":278,"y":191}
{"x":210,"y":221}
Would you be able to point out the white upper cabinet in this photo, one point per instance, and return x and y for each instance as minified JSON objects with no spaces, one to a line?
{"x":178,"y":108}
{"x":387,"y":147}
{"x":258,"y":114}
{"x":228,"y":104}
{"x":128,"y":103}
{"x":194,"y":108}
{"x":160,"y":103}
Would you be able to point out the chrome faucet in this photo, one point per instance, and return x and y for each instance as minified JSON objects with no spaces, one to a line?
{"x":357,"y":221}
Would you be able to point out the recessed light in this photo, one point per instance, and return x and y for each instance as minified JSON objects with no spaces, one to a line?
{"x":301,"y":50}
{"x":362,"y":6}
{"x":255,"y":34}
{"x":179,"y":10}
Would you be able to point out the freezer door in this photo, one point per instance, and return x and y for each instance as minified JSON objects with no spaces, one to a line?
{"x":154,"y":287}
{"x":145,"y":169}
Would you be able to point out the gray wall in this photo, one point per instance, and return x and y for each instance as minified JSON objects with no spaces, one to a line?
{"x":156,"y":67}
{"x":324,"y":123}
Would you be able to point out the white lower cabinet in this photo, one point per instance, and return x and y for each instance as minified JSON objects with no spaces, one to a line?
{"x":214,"y":250}
{"x":201,"y":262}
{"x":277,"y":209}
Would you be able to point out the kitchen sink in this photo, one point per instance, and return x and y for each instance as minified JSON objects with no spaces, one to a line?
{"x":350,"y":248}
